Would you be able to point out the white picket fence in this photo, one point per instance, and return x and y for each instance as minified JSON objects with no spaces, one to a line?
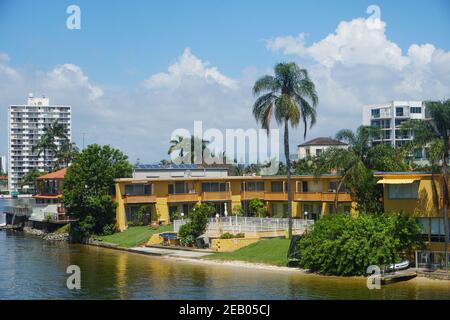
{"x":250,"y":224}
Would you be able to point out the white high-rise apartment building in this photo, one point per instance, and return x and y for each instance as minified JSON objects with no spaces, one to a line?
{"x":26,"y":124}
{"x":389,"y":116}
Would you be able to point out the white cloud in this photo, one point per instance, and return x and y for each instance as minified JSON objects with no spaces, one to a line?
{"x":189,"y":68}
{"x":70,"y":77}
{"x":357,"y":65}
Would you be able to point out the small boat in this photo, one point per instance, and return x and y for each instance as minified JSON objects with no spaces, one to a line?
{"x":14,"y":194}
{"x":399,"y":266}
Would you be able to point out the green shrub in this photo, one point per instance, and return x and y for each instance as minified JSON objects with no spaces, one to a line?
{"x":196,"y":224}
{"x":237,"y":211}
{"x":108,"y":229}
{"x":227,"y":235}
{"x":343,"y":245}
{"x":257,"y":208}
{"x":64,"y":229}
{"x":185,"y":230}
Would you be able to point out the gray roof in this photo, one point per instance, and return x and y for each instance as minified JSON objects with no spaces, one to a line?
{"x":322,"y":141}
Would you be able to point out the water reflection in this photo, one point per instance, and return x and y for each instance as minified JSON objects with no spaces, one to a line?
{"x":34,"y":269}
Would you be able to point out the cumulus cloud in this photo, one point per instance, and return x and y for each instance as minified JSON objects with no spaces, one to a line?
{"x":357,"y":65}
{"x":138,"y":120}
{"x":70,"y":77}
{"x":189,"y":68}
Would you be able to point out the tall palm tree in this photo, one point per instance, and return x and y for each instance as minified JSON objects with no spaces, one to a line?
{"x":434,"y":131}
{"x":47,"y":142}
{"x":186,"y":147}
{"x":291,"y":96}
{"x":65,"y":154}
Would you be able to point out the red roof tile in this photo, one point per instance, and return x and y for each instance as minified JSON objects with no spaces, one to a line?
{"x":54,"y":175}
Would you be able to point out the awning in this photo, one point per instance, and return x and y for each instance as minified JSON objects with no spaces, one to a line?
{"x":396,"y":181}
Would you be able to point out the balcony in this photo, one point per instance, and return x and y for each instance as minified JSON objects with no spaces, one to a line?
{"x":139,"y":199}
{"x":249,"y":195}
{"x":216,"y":196}
{"x":182,"y":197}
{"x":276,"y":196}
{"x":322,"y":196}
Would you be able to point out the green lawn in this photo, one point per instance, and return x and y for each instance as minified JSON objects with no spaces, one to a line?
{"x":268,"y":251}
{"x":134,"y":236}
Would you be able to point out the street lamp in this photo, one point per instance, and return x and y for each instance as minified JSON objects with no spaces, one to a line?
{"x":182,"y":215}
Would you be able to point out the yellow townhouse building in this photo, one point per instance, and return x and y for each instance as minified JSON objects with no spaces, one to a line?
{"x":313,"y":196}
{"x":412,"y":193}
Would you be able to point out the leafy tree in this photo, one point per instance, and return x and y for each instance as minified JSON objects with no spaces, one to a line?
{"x":355,"y":166}
{"x":237,"y":211}
{"x":197,"y":223}
{"x":88,"y":185}
{"x":435,"y":134}
{"x":291,"y":96}
{"x":29,"y":179}
{"x":343,"y":245}
{"x":257,"y":208}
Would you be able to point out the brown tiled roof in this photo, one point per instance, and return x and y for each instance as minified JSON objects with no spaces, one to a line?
{"x":54,"y":175}
{"x":3,"y":177}
{"x":322,"y":141}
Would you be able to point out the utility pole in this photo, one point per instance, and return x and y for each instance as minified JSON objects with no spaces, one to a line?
{"x":83,"y":133}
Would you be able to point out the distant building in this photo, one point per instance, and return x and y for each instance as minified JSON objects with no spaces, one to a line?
{"x":389,"y":117}
{"x":3,"y":167}
{"x":154,"y":171}
{"x":317,"y":146}
{"x":3,"y":184}
{"x":26,"y":125}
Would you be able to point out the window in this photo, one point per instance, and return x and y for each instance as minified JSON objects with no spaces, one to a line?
{"x":415,"y":110}
{"x":253,"y":186}
{"x":418,"y":154}
{"x":375,"y":113}
{"x":398,"y":122}
{"x":304,"y":186}
{"x":318,"y":152}
{"x":214,"y":186}
{"x":178,"y":187}
{"x":437,"y":233}
{"x":399,"y":111}
{"x":342,"y":208}
{"x":313,"y":210}
{"x":334,"y":186}
{"x":137,"y":189}
{"x":404,"y":191}
{"x":277,"y":186}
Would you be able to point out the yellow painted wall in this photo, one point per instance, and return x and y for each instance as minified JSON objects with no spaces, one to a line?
{"x":421,"y":207}
{"x":120,"y":209}
{"x":229,"y":245}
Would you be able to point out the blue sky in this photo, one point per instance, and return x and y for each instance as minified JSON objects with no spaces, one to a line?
{"x":123,"y":43}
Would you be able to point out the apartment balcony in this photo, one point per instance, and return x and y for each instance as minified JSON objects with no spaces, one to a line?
{"x":249,"y":195}
{"x":276,"y":196}
{"x":151,"y":198}
{"x":216,"y":196}
{"x":322,"y":196}
{"x":182,"y":197}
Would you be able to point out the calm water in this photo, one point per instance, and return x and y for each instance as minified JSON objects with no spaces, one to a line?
{"x":34,"y":269}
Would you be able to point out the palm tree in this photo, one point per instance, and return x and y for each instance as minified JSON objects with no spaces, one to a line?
{"x":291,"y":96}
{"x":47,"y":142}
{"x":436,"y":131}
{"x":65,"y":154}
{"x":186,"y":147}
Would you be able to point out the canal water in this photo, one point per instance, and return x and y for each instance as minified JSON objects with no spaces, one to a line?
{"x":31,"y":268}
